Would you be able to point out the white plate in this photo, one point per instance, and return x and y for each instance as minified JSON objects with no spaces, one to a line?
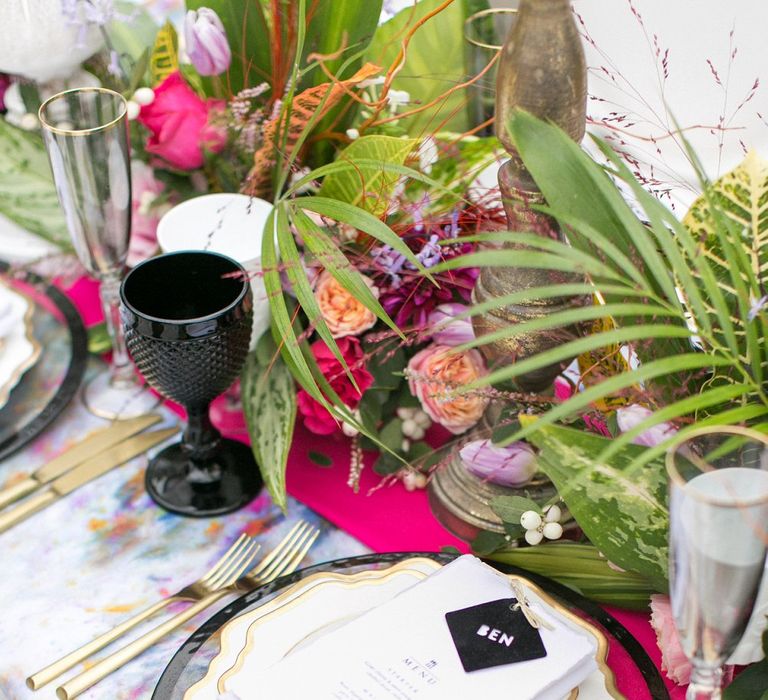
{"x":18,"y":347}
{"x":324,"y":601}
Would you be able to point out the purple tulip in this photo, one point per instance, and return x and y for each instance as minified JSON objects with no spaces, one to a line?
{"x":207,"y":45}
{"x":446,"y":329}
{"x":630,"y":416}
{"x":513,"y":465}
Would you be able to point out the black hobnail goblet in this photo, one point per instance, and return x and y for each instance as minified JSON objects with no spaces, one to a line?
{"x":187,"y":319}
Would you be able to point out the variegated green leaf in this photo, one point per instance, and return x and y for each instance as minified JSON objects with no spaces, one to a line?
{"x":27,"y":192}
{"x":269,"y":399}
{"x":742,"y":196}
{"x":369,"y":187}
{"x":626,"y":518}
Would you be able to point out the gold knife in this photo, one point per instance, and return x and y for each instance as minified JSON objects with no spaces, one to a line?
{"x":87,"y":471}
{"x":94,"y":444}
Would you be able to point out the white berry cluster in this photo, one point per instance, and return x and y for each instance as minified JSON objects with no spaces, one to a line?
{"x":142,"y":97}
{"x":415,"y":422}
{"x":537,"y":528}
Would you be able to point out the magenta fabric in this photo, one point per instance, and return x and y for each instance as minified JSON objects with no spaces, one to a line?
{"x":387,"y":518}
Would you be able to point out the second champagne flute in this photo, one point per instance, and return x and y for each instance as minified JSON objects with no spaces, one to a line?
{"x":718,"y":512}
{"x":86,"y":135}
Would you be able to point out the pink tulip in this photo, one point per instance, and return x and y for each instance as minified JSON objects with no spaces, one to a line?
{"x":207,"y":45}
{"x":446,"y":329}
{"x":630,"y":416}
{"x":513,"y":465}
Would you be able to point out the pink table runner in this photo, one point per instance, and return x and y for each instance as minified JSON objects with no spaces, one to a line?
{"x":391,"y":519}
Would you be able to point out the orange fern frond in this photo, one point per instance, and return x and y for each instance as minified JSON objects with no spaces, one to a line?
{"x":305,"y":107}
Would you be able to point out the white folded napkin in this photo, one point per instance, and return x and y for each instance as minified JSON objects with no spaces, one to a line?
{"x":403,"y":649}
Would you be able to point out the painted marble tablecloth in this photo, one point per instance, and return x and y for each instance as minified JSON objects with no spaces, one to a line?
{"x":106,"y":551}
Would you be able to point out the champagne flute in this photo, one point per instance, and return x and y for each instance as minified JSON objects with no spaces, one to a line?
{"x":86,"y":135}
{"x":718,"y":508}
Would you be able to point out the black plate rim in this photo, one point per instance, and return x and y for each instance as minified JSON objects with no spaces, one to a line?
{"x":73,"y":376}
{"x":178,"y":663}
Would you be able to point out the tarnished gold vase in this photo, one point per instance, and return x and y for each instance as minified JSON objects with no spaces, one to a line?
{"x":542,"y":70}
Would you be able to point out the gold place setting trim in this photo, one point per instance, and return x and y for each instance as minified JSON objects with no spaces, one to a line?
{"x":232,"y":573}
{"x":240,"y":636}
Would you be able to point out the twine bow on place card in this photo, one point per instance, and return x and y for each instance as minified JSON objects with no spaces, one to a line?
{"x":534,"y":620}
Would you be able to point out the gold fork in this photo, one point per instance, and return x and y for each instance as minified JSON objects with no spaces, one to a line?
{"x":242,"y":551}
{"x":302,"y":537}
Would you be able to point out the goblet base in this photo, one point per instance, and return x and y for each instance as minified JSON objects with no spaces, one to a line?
{"x":112,"y":401}
{"x":222,"y":483}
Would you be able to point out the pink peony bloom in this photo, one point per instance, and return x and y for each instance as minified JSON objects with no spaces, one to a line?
{"x":180,"y":124}
{"x":343,"y":313}
{"x":446,"y":329}
{"x":674,"y":662}
{"x":434,"y":374}
{"x":630,"y":416}
{"x":513,"y":465}
{"x":206,"y":42}
{"x":316,"y":416}
{"x":144,"y":218}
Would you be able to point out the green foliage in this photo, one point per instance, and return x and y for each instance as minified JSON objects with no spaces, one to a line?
{"x":624,"y":516}
{"x":434,"y":62}
{"x":343,"y":27}
{"x":510,"y":508}
{"x":582,"y":568}
{"x":269,"y":399}
{"x":368,"y":186}
{"x":681,"y":299}
{"x":27,"y":192}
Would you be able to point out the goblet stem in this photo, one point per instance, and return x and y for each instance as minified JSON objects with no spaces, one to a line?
{"x":121,"y":370}
{"x":705,"y":683}
{"x":201,"y":439}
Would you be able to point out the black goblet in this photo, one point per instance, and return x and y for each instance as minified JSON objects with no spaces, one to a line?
{"x":187,"y":319}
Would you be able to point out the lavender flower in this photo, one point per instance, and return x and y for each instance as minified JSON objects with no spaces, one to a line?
{"x":206,"y":40}
{"x":446,"y":329}
{"x":513,"y":465}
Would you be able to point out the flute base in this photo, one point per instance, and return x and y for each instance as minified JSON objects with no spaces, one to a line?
{"x":224,"y":482}
{"x":130,"y":399}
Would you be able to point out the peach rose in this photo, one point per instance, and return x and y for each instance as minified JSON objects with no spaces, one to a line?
{"x":344,"y":314}
{"x":433,"y":375}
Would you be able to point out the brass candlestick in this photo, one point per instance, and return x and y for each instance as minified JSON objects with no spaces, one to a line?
{"x":542,"y":70}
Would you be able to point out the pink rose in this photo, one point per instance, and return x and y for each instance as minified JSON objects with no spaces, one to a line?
{"x":343,"y":313}
{"x":180,"y":124}
{"x":434,"y":374}
{"x":630,"y":416}
{"x":446,"y":329}
{"x":144,"y":217}
{"x":674,"y":662}
{"x":316,"y":416}
{"x":513,"y":465}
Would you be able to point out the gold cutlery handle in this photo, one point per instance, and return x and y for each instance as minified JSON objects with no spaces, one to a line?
{"x":24,"y":510}
{"x":46,"y":675}
{"x":17,"y":491}
{"x":101,"y":669}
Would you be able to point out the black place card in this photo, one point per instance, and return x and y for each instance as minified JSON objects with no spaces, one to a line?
{"x":493,"y":634}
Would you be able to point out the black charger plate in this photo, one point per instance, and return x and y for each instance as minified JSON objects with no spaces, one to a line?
{"x":47,"y":387}
{"x":188,"y":666}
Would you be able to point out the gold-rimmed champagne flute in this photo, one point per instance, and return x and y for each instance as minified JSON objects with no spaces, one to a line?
{"x":86,"y":135}
{"x":718,"y":508}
